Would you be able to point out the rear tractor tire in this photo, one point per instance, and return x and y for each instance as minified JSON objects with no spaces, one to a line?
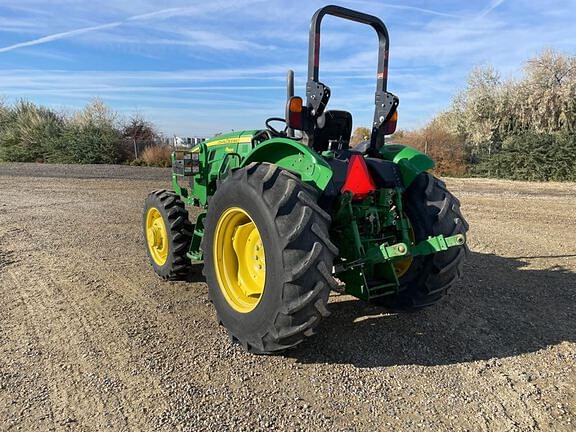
{"x":431,"y":210}
{"x":267,"y":258}
{"x":168,"y":232}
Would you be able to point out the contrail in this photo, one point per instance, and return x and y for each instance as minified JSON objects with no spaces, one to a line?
{"x":162,"y":14}
{"x":423,"y":10}
{"x":493,"y":5}
{"x":57,"y":36}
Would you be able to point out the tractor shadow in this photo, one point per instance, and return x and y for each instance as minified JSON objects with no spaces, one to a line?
{"x":195,"y":274}
{"x":499,"y":309}
{"x":6,"y":258}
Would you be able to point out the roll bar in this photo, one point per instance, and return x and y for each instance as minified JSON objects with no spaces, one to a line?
{"x":352,"y":15}
{"x":317,"y":94}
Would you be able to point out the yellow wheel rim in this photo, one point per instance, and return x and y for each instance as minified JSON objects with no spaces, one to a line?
{"x":156,"y":236}
{"x":401,"y":267}
{"x":239,"y":260}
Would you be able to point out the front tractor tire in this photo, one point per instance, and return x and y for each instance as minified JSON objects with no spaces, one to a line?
{"x":168,"y":233}
{"x":267,"y":258}
{"x":432,"y":210}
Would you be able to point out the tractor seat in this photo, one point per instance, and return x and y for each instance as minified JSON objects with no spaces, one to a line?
{"x":336,"y":133}
{"x":362,"y":147}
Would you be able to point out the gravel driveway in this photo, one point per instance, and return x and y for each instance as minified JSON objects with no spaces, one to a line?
{"x":91,"y":340}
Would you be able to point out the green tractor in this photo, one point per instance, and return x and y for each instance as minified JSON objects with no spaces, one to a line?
{"x":282,"y":217}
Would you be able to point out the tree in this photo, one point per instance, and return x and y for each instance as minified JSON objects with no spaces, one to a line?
{"x":490,"y":112}
{"x":542,"y":100}
{"x":479,"y":109}
{"x":360,"y":134}
{"x":137,"y":135}
{"x":548,"y":93}
{"x":443,"y":146}
{"x":96,"y":113}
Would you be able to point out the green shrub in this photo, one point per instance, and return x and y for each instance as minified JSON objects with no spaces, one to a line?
{"x":28,"y":132}
{"x":87,"y":143}
{"x":91,"y":136}
{"x":533,"y":156}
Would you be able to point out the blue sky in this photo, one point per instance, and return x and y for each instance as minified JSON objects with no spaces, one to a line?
{"x":201,"y":67}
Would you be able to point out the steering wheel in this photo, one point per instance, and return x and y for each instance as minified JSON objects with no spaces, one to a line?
{"x":272,"y":129}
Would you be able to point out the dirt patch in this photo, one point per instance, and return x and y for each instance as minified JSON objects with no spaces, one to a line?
{"x":90,"y":339}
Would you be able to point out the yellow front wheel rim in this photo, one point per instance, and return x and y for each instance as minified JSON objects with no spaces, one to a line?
{"x":156,"y":236}
{"x":239,"y":260}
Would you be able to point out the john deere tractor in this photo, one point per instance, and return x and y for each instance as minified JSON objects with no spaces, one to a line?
{"x":285,"y":215}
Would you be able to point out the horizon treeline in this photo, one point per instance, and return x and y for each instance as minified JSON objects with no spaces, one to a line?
{"x":94,"y":134}
{"x":521,"y":128}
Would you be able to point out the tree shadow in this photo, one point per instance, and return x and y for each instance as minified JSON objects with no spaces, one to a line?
{"x":498,"y":310}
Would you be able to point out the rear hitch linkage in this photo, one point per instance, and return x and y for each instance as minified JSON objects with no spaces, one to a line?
{"x":384,"y":253}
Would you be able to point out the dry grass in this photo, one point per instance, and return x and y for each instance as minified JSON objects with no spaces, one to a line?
{"x":442,"y":146}
{"x":157,"y":155}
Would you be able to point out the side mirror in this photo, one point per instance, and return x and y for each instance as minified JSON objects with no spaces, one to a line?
{"x":295,"y":113}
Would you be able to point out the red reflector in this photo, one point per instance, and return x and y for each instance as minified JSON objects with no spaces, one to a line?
{"x":295,"y":120}
{"x":358,"y":180}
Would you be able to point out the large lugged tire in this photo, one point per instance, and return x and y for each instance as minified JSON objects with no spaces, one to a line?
{"x":265,"y":219}
{"x":432,"y":210}
{"x":168,"y":232}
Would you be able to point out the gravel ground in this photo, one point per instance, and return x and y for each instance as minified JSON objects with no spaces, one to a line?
{"x":91,"y":340}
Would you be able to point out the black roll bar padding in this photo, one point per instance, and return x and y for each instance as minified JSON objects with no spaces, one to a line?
{"x":349,"y":14}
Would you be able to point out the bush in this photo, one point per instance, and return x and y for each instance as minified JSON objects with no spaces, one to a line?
{"x":87,"y":144}
{"x":91,"y":136}
{"x":28,"y":132}
{"x":533,"y":156}
{"x":157,"y":155}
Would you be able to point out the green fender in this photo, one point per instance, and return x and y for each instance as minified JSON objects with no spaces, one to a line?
{"x":411,"y":161}
{"x":295,"y":157}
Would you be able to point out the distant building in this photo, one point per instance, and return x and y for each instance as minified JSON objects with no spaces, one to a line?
{"x":187,"y":142}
